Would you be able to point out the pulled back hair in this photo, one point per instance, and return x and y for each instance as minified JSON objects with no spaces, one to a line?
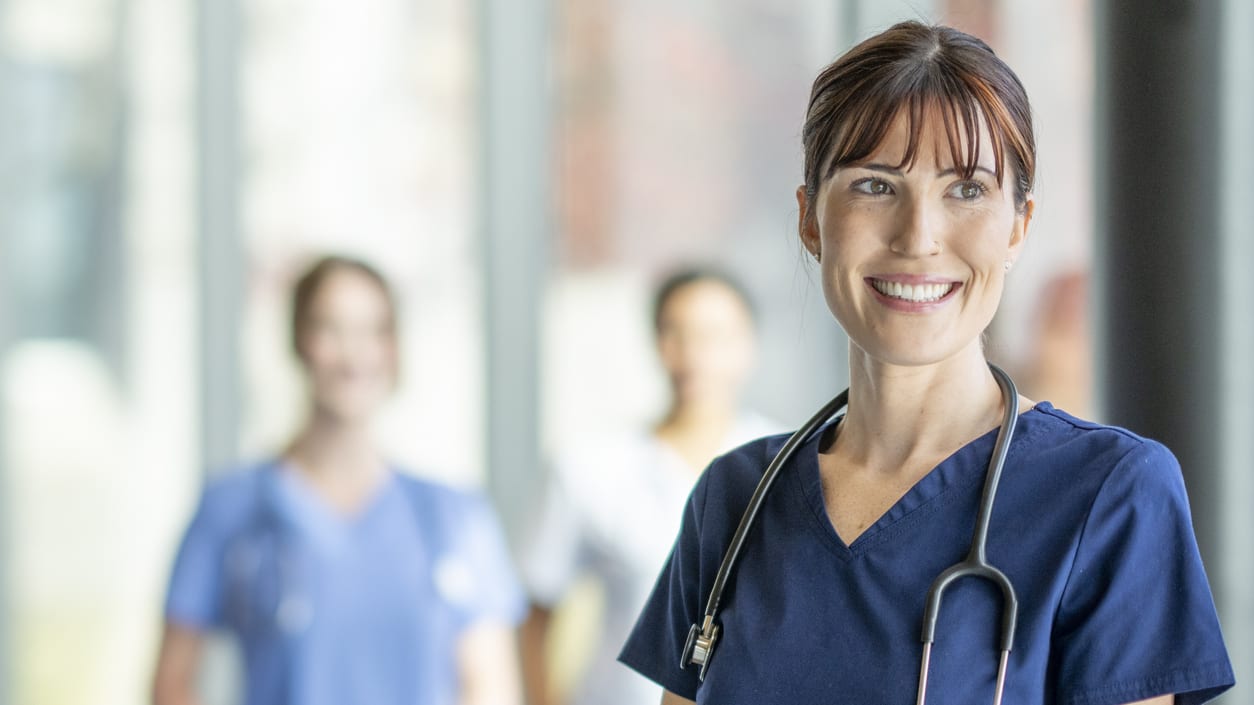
{"x":307,"y":286}
{"x":912,"y":68}
{"x":683,"y":278}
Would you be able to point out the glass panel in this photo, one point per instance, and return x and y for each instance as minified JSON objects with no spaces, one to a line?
{"x":1042,"y":328}
{"x":98,"y":402}
{"x":358,"y":134}
{"x":678,"y":143}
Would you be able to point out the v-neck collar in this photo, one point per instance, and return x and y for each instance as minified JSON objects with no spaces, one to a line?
{"x":965,"y":466}
{"x":305,"y":508}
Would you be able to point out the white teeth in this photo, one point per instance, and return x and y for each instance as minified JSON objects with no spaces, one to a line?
{"x":917,"y":293}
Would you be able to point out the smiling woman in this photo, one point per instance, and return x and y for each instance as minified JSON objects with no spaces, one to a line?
{"x":344,"y":579}
{"x":917,"y":200}
{"x":930,"y":241}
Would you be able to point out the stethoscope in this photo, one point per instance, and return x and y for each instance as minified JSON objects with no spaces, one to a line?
{"x":268,"y":570}
{"x":702,"y":638}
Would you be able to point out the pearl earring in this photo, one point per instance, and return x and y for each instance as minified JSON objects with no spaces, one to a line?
{"x":1007,"y":265}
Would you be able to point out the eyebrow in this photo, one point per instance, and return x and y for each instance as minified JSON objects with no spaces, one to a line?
{"x":887,"y":169}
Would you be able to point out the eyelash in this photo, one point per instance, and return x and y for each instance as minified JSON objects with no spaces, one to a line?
{"x":980,"y":188}
{"x":868,"y":182}
{"x":864,"y":185}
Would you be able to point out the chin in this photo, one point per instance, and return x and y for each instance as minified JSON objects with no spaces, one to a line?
{"x":351,"y":409}
{"x":912,"y":353}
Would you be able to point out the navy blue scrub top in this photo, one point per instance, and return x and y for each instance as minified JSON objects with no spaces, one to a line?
{"x":1091,"y":524}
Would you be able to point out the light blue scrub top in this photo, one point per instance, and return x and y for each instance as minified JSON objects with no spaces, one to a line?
{"x":331,"y":610}
{"x":1091,"y":524}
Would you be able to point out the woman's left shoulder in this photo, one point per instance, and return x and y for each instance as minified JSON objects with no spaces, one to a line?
{"x":433,"y":495}
{"x":1067,"y":441}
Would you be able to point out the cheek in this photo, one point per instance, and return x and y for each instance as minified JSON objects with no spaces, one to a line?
{"x":390,"y":361}
{"x":667,"y":353}
{"x":319,"y":353}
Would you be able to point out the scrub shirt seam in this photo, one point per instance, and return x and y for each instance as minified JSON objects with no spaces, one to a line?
{"x":698,"y":511}
{"x":1178,"y":681}
{"x":645,"y":665}
{"x":1088,"y":517}
{"x":1087,"y":426}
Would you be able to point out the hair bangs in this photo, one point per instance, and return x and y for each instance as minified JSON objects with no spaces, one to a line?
{"x":924,"y":75}
{"x":924,"y":95}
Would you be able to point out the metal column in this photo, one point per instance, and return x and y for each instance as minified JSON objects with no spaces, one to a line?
{"x":516,"y":225}
{"x":1174,"y":256}
{"x":7,"y":336}
{"x":220,"y":253}
{"x":1234,"y":576}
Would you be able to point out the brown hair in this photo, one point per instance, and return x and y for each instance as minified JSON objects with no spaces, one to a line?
{"x":315,"y":276}
{"x":680,"y":279}
{"x":913,"y":67}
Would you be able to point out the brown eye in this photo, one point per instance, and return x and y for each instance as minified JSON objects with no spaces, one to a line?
{"x":968,"y":190}
{"x":872,"y":186}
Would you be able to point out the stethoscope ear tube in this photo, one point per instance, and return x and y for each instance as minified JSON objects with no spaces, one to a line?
{"x":976,"y":564}
{"x":701,"y":639}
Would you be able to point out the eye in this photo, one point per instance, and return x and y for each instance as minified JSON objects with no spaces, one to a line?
{"x":872,"y":186}
{"x":968,"y":190}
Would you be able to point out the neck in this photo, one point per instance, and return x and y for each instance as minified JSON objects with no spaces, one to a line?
{"x":698,"y":418}
{"x":697,"y":432}
{"x":333,"y":449}
{"x":899,"y":415}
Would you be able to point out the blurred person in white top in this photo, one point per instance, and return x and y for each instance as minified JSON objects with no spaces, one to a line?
{"x":612,"y":505}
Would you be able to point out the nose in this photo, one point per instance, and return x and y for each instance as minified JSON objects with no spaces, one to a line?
{"x":918,"y":230}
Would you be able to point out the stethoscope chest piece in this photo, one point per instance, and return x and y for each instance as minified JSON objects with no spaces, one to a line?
{"x":702,"y":638}
{"x":700,"y":646}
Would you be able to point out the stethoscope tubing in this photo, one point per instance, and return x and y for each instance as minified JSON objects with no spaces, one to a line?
{"x":801,"y":437}
{"x":976,"y":564}
{"x":702,"y":637}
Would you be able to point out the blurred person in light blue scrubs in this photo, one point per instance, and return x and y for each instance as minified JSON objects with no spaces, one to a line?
{"x":344,"y":580}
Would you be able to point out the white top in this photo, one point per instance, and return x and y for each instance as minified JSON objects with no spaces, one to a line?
{"x":612,"y":508}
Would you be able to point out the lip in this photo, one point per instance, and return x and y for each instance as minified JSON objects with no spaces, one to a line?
{"x":912,"y":279}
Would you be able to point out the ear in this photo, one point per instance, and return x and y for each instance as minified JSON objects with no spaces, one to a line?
{"x":1019,"y":234}
{"x":807,"y":227}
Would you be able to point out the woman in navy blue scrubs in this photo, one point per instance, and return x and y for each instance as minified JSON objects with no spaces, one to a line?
{"x":919,"y":167}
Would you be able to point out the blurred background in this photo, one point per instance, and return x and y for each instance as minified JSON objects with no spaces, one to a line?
{"x":526,"y":172}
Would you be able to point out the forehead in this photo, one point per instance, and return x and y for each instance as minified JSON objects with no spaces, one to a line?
{"x":347,"y":288}
{"x":933,"y":138}
{"x":940,"y":132}
{"x":704,"y":298}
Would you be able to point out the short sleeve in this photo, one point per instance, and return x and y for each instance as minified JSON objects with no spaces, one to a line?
{"x":657,"y":641}
{"x":476,"y":574}
{"x":550,"y":559}
{"x":1137,"y":619}
{"x":194,"y":598}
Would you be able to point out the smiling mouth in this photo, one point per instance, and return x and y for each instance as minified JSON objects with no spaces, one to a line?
{"x":915,"y":293}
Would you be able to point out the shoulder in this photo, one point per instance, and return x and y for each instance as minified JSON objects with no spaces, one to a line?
{"x":751,"y":425}
{"x":598,"y":451}
{"x":429,"y":491}
{"x":451,"y":504}
{"x":232,"y":497}
{"x":598,"y":469}
{"x":1062,"y":429}
{"x":1098,"y":452}
{"x":727,"y":484}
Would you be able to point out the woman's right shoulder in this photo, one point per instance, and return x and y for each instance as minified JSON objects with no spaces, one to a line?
{"x":727,"y":484}
{"x":231,"y":496}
